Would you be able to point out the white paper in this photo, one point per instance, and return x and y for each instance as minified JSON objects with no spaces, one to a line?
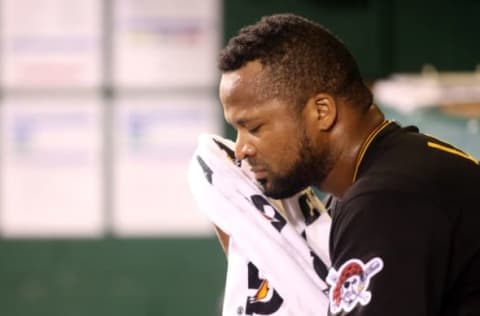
{"x":51,"y":167}
{"x":51,"y":43}
{"x":154,"y":141}
{"x":169,"y":43}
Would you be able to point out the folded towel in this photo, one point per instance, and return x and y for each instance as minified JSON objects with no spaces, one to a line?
{"x":277,"y":264}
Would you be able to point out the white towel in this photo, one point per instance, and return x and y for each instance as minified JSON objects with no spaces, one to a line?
{"x":290,"y":252}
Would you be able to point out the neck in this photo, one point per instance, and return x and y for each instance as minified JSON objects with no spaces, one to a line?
{"x":347,"y":139}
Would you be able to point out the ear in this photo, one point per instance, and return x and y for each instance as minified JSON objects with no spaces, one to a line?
{"x":323,"y":109}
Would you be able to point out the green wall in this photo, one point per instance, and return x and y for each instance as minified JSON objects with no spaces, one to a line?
{"x":138,"y":277}
{"x":444,"y":33}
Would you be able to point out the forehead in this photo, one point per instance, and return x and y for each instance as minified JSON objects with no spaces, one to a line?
{"x":241,"y":84}
{"x":243,"y":93}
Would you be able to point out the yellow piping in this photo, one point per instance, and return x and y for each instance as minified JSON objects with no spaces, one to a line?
{"x":366,"y":144}
{"x":452,"y":151}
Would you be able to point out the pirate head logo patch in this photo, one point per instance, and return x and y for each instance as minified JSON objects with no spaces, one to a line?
{"x":349,"y":284}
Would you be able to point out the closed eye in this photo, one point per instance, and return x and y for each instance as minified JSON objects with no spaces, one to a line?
{"x":256,"y":129}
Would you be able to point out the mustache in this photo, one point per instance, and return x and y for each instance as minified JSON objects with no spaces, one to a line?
{"x":255,"y":163}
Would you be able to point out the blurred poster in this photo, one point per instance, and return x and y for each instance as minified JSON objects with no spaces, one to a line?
{"x":51,"y":43}
{"x":154,"y":141}
{"x":51,"y":167}
{"x":167,"y":43}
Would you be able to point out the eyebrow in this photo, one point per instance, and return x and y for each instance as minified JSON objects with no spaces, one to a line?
{"x":242,"y":122}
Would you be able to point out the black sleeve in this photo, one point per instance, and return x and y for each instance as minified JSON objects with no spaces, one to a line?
{"x":389,"y":256}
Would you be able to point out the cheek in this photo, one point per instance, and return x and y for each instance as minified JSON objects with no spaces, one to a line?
{"x":280,"y":152}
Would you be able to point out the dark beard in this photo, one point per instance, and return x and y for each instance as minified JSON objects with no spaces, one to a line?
{"x":310,"y":167}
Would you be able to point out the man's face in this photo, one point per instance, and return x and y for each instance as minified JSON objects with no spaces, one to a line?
{"x":271,"y":135}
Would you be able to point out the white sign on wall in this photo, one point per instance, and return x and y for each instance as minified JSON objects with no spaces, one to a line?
{"x":51,"y":43}
{"x":169,"y":43}
{"x":51,"y":175}
{"x":154,"y":141}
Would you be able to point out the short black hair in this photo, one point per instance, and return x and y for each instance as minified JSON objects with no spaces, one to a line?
{"x":301,"y":57}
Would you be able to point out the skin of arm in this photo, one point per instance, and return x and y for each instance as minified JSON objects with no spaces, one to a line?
{"x":223,"y":238}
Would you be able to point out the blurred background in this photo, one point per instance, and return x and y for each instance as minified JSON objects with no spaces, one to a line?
{"x":101,"y":103}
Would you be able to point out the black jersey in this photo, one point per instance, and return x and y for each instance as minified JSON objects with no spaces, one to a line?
{"x":405,"y":238}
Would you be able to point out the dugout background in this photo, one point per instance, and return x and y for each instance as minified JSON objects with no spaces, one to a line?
{"x":179,"y":275}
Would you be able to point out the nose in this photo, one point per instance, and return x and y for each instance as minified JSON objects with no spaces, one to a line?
{"x":243,"y":147}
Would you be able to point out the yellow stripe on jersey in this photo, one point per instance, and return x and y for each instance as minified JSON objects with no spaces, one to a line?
{"x":366,"y":144}
{"x":452,"y":151}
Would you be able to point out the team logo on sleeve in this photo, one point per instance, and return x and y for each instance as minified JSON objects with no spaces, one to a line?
{"x":349,"y":284}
